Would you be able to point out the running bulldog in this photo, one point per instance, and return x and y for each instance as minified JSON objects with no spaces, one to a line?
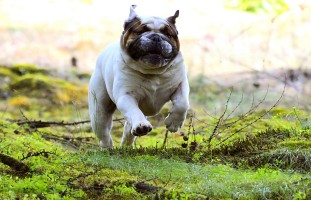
{"x":137,"y":76}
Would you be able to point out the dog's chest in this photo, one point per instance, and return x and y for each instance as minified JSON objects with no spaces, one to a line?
{"x":156,"y":92}
{"x":153,"y":86}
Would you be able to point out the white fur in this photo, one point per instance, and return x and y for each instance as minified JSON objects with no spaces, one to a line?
{"x":137,"y":91}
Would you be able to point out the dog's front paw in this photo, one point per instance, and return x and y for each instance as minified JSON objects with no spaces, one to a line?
{"x":142,"y":128}
{"x":174,"y":121}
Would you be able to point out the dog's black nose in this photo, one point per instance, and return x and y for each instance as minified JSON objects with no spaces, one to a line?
{"x":155,"y":38}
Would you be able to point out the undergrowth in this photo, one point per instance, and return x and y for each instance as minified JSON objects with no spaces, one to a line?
{"x":252,"y":155}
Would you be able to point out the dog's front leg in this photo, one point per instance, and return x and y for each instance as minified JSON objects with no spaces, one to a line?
{"x":128,"y":106}
{"x":177,"y":114}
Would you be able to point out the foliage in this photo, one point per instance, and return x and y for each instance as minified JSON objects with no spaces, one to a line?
{"x":266,"y":155}
{"x":259,"y":6}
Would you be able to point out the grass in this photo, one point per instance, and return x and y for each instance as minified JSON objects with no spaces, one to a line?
{"x":215,"y":181}
{"x":269,"y":159}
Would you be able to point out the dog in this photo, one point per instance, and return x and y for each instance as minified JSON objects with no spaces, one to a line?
{"x":137,"y":76}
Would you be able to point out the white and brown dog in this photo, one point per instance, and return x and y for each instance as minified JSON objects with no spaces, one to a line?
{"x":138,"y":76}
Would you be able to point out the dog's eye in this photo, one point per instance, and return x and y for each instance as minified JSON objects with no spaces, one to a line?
{"x":165,"y":31}
{"x":141,"y":30}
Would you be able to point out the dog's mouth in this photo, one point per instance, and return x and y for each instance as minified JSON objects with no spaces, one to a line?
{"x":155,"y":59}
{"x":153,"y":50}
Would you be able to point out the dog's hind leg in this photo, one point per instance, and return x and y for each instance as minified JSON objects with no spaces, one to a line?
{"x":101,"y":109}
{"x":128,"y":138}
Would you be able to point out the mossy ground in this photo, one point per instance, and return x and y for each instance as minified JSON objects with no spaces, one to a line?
{"x":252,"y":155}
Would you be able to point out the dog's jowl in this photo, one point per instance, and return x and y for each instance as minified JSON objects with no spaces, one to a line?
{"x":137,"y":76}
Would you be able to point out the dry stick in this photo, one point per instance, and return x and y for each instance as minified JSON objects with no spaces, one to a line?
{"x":254,"y":107}
{"x":296,"y":115}
{"x":14,"y":163}
{"x":190,"y":125}
{"x":193,"y":130}
{"x":234,"y":109}
{"x":165,"y":139}
{"x":251,"y":110}
{"x":169,"y":179}
{"x":210,"y":115}
{"x":32,"y":154}
{"x":219,"y":121}
{"x":22,"y":113}
{"x":260,"y":117}
{"x":202,"y":121}
{"x":43,"y":124}
{"x":142,"y":186}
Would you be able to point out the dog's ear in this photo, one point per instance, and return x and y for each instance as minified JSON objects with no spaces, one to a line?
{"x":172,"y":19}
{"x":132,"y":16}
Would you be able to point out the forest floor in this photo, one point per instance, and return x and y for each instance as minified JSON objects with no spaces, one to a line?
{"x":231,"y":147}
{"x":247,"y":135}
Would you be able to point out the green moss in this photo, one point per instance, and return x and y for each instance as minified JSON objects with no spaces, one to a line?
{"x":298,"y":159}
{"x":218,"y":181}
{"x":56,"y":173}
{"x":86,"y":76}
{"x":296,"y":144}
{"x":41,"y":86}
{"x":23,"y":69}
{"x":265,"y":158}
{"x":7,"y":72}
{"x":261,"y":141}
{"x":6,"y":77}
{"x":35,"y":82}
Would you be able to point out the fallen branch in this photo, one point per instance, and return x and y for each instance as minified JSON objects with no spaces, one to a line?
{"x":14,"y":163}
{"x":32,"y":154}
{"x":143,"y":187}
{"x":44,"y":124}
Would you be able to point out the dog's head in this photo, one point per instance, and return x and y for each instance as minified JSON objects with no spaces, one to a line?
{"x":151,"y":41}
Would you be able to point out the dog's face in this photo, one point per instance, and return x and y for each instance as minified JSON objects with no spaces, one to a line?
{"x":151,"y":41}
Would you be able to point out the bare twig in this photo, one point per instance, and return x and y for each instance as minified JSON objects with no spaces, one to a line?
{"x":254,"y":107}
{"x":190,"y":125}
{"x":296,"y":115}
{"x":22,"y":113}
{"x":32,"y":154}
{"x":234,"y":109}
{"x":165,"y":139}
{"x":220,"y":120}
{"x":250,"y":111}
{"x":254,"y":121}
{"x":169,"y":179}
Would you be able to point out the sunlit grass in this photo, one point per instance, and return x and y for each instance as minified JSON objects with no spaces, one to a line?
{"x":221,"y":181}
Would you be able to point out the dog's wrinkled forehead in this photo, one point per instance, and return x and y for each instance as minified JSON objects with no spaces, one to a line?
{"x":154,"y":23}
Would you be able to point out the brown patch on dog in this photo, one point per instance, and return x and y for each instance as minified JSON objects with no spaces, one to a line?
{"x":172,"y":19}
{"x":172,"y":33}
{"x":157,"y":56}
{"x":127,"y":34}
{"x":134,"y":28}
